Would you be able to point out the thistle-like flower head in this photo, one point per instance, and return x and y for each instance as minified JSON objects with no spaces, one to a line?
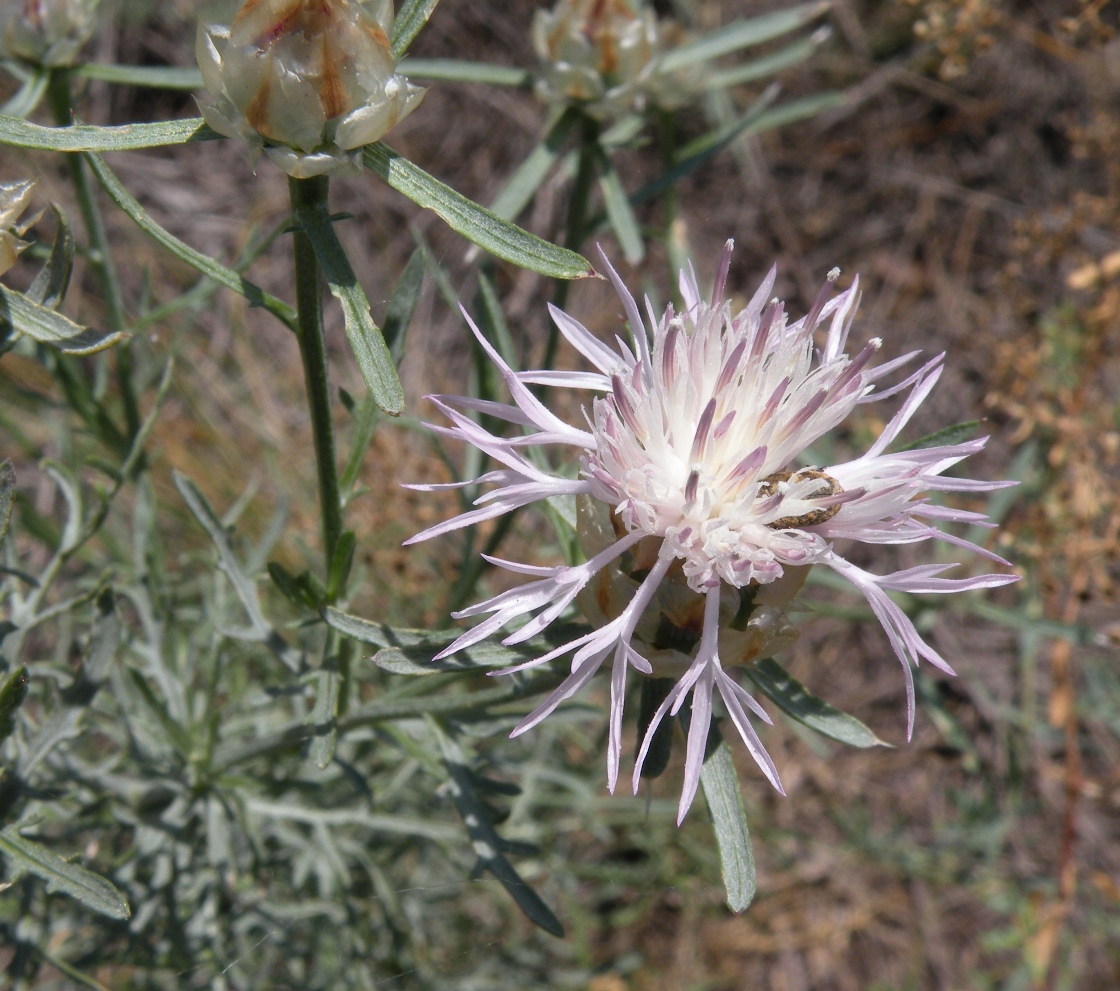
{"x":310,"y":81}
{"x":698,"y":514}
{"x":600,"y":54}
{"x":14,"y":198}
{"x":46,"y":32}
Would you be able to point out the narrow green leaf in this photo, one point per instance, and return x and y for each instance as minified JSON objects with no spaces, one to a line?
{"x":729,"y":823}
{"x":410,"y":652}
{"x":87,"y":137}
{"x":341,"y":563}
{"x":525,"y":182}
{"x":451,"y":70}
{"x":691,"y":156}
{"x":12,"y":694}
{"x":150,"y":76}
{"x":474,"y":222}
{"x":366,"y":341}
{"x":24,"y":101}
{"x":410,"y":19}
{"x":795,"y":701}
{"x":763,"y":68}
{"x":94,"y":892}
{"x":49,"y":286}
{"x":289,"y":586}
{"x":619,"y":212}
{"x":402,"y":304}
{"x":227,"y":277}
{"x":50,"y":327}
{"x":488,"y":845}
{"x":323,"y":719}
{"x":945,"y":437}
{"x":742,"y":34}
{"x":202,"y":511}
{"x":366,"y":418}
{"x":7,"y":490}
{"x":178,"y":736}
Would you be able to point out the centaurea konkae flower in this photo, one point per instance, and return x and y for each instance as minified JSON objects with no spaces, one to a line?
{"x":693,"y":453}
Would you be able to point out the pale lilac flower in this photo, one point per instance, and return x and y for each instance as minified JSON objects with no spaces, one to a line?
{"x":692,"y":452}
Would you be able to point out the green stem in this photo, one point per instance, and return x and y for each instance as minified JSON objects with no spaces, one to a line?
{"x":100,"y":255}
{"x":578,"y":209}
{"x":675,"y":250}
{"x":307,"y":195}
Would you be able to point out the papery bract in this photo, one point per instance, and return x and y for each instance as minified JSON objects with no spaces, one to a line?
{"x":14,"y":199}
{"x":698,"y":515}
{"x":600,"y":54}
{"x":310,"y":81}
{"x":46,"y":32}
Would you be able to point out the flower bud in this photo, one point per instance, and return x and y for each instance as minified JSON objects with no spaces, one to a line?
{"x":310,"y":81}
{"x":14,"y":197}
{"x":753,"y":624}
{"x":601,"y":54}
{"x":46,"y":32}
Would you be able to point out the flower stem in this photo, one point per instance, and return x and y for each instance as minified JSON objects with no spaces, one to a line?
{"x":578,"y":209}
{"x":310,"y":194}
{"x":100,"y":255}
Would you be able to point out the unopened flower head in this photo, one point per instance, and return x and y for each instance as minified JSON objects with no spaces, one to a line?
{"x":14,"y":199}
{"x":310,"y":81}
{"x":699,"y":516}
{"x":46,"y":32}
{"x":600,"y":54}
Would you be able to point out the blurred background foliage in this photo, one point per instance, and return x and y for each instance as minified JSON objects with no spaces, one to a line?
{"x":970,"y":175}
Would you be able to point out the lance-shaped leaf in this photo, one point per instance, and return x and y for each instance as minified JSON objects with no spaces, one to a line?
{"x":147,"y":76}
{"x":474,"y":222}
{"x":789,"y":695}
{"x":620,"y":215}
{"x":50,"y":285}
{"x":227,"y":277}
{"x":202,"y":511}
{"x":12,"y":693}
{"x":48,"y":326}
{"x":94,"y":892}
{"x":451,"y":70}
{"x":366,"y":340}
{"x":770,"y":65}
{"x":477,"y":224}
{"x":24,"y":101}
{"x":525,"y":182}
{"x":88,"y":137}
{"x":729,"y":822}
{"x":489,"y":846}
{"x":958,"y":433}
{"x":411,"y":652}
{"x":742,"y":34}
{"x":7,"y":490}
{"x":412,"y":16}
